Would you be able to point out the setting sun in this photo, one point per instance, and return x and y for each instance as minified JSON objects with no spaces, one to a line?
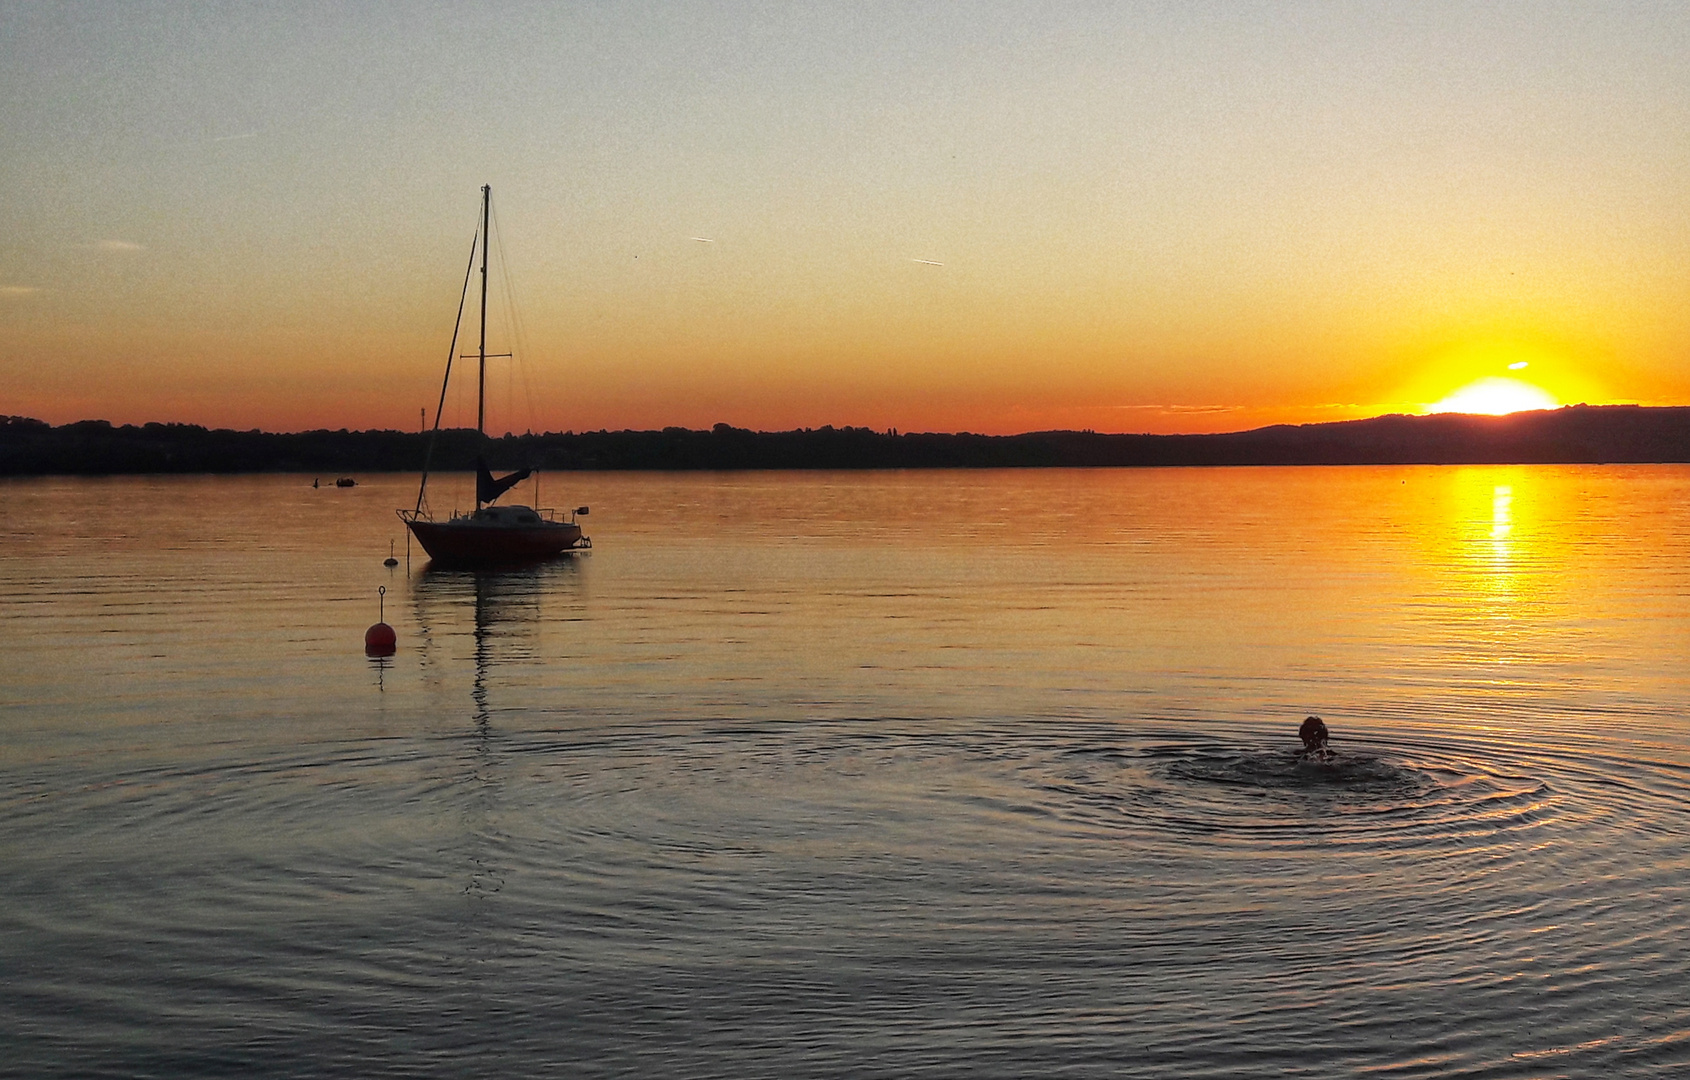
{"x":1496,"y":396}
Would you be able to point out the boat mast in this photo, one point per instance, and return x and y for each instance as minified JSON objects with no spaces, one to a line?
{"x":481,"y":389}
{"x":481,"y":386}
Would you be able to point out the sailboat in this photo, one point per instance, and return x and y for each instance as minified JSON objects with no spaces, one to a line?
{"x":489,"y":535}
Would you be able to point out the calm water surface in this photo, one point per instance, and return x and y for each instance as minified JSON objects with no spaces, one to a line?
{"x":983,"y":774}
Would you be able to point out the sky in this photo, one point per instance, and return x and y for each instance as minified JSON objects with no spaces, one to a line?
{"x":990,"y":217}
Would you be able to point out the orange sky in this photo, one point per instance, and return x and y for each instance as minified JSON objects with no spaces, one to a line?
{"x":996,"y":218}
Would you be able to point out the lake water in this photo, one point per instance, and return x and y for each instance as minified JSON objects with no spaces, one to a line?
{"x":983,"y":774}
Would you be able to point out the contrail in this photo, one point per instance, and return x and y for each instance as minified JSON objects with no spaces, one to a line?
{"x":704,"y":240}
{"x":927,"y":262}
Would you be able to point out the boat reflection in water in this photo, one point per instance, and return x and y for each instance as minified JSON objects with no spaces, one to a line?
{"x":502,"y":611}
{"x":503,"y":614}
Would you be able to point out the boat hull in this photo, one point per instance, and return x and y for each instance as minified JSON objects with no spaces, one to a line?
{"x":465,"y":542}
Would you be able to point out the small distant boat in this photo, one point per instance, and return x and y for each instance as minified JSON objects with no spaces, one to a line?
{"x":489,"y":535}
{"x":346,"y":481}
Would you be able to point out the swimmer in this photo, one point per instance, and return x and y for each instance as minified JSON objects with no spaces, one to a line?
{"x":1315,"y":737}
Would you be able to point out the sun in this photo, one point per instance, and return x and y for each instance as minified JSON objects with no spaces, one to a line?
{"x":1496,"y":396}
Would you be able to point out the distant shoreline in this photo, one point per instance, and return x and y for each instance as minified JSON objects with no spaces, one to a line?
{"x":1578,"y":434}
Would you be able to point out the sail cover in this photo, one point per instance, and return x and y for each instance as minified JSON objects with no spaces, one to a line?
{"x":488,"y":488}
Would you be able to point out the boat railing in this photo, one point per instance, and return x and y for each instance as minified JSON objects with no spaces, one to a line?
{"x":551,"y":513}
{"x":546,"y":513}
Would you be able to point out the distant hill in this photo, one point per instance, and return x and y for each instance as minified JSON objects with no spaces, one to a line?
{"x":1579,"y":433}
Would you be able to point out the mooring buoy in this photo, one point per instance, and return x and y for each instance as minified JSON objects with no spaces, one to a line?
{"x":380,"y":640}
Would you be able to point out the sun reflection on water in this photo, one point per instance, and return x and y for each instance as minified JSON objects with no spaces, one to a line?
{"x":1514,"y":590}
{"x":1501,"y":521}
{"x":1498,"y":575}
{"x":1492,"y":540}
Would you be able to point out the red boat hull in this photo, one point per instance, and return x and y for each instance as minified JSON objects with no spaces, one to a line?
{"x":466,"y":542}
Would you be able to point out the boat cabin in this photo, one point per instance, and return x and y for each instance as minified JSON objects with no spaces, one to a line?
{"x":507,"y":516}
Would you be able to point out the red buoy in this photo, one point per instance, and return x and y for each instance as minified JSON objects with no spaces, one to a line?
{"x":380,"y":640}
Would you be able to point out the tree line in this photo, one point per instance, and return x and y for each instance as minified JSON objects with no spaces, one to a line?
{"x":1579,"y":433}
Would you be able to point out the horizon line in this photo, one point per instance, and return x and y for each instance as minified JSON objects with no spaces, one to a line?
{"x":9,"y":421}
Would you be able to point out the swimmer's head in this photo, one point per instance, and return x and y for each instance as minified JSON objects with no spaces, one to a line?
{"x":1313,"y":733}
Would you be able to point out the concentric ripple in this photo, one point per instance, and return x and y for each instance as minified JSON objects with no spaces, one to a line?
{"x":1367,"y":792}
{"x":876,"y":894}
